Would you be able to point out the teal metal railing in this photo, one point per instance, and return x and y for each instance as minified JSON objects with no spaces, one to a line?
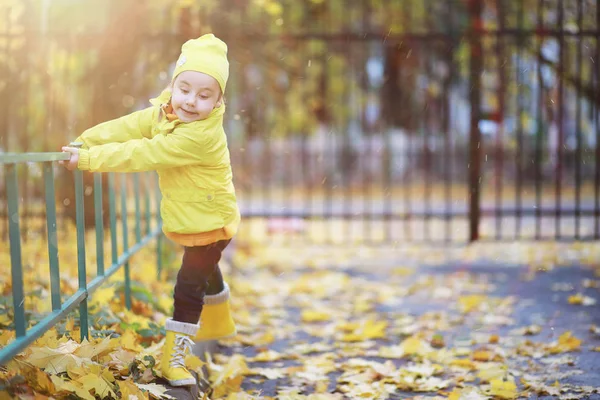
{"x":60,"y":309}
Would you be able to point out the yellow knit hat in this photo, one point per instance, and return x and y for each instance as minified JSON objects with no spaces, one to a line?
{"x":207,"y":54}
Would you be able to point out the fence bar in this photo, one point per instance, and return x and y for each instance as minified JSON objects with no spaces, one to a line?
{"x":147,"y":201}
{"x":52,"y":236}
{"x":499,"y":151}
{"x":539,"y":134}
{"x":261,"y":37}
{"x":388,"y":160}
{"x":305,"y":179}
{"x":578,"y":152}
{"x":138,"y":218}
{"x":408,"y":182}
{"x":597,"y":120}
{"x":561,"y":132}
{"x":16,"y":158}
{"x":405,"y":216}
{"x":159,"y":238}
{"x":447,"y":130}
{"x":427,"y":134}
{"x":330,"y":122}
{"x":112,"y":214}
{"x":267,"y":192}
{"x":347,"y":183}
{"x":125,"y":240}
{"x":367,"y":154}
{"x":99,"y":224}
{"x":16,"y":263}
{"x":520,"y":135}
{"x":476,"y":66}
{"x":80,"y":220}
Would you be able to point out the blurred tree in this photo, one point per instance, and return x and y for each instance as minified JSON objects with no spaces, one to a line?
{"x":108,"y":79}
{"x":295,"y":65}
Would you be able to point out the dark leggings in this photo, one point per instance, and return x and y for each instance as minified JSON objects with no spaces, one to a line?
{"x":198,"y":276}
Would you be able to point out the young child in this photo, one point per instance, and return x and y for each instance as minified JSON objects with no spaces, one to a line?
{"x":181,"y":136}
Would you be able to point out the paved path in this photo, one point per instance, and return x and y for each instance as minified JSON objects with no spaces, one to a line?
{"x":465,"y":305}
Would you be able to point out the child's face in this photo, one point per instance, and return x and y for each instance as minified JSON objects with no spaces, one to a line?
{"x":194,"y":96}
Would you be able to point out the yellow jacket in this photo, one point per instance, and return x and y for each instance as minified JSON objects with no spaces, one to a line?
{"x":198,"y":204}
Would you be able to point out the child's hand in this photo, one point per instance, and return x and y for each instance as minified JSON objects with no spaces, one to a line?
{"x":73,"y":161}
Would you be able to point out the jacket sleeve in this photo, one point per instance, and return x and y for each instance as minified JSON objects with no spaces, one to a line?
{"x":184,"y":146}
{"x":136,"y":125}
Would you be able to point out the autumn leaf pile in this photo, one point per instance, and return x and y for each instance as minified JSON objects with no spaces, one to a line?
{"x":317,"y":323}
{"x":359,"y":323}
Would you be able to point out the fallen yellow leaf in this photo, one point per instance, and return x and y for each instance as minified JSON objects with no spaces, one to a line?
{"x":415,"y":345}
{"x":129,"y":390}
{"x":566,"y":342}
{"x":70,"y":387}
{"x":5,"y":320}
{"x":94,"y":348}
{"x":6,"y":336}
{"x":489,"y":372}
{"x":269,"y":355}
{"x":193,"y":363}
{"x":580,"y":299}
{"x":97,"y":383}
{"x":504,"y":389}
{"x":231,"y":385}
{"x":469,"y":393}
{"x":464,"y":363}
{"x":470,"y":302}
{"x":157,"y":391}
{"x":56,"y":360}
{"x":485,"y":355}
{"x":129,"y":340}
{"x":102,"y":296}
{"x":315,"y":316}
{"x":38,"y":379}
{"x":367,"y":330}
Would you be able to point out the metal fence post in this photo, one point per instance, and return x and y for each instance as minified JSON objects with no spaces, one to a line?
{"x":159,"y":238}
{"x":125,"y":240}
{"x":99,"y":224}
{"x":14,"y":234}
{"x":138,"y":218}
{"x":475,"y":67}
{"x":80,"y":220}
{"x":52,"y":236}
{"x":112,"y":213}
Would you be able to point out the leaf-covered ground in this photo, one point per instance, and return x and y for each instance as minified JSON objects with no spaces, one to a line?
{"x":383,"y":324}
{"x":484,"y":321}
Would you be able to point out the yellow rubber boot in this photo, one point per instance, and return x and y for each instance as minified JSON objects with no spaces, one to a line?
{"x":178,"y":342}
{"x":216,"y":321}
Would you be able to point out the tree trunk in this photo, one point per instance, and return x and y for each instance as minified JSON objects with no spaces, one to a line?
{"x":398,"y":86}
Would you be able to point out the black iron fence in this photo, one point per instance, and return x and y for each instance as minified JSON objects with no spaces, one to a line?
{"x":379,"y":121}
